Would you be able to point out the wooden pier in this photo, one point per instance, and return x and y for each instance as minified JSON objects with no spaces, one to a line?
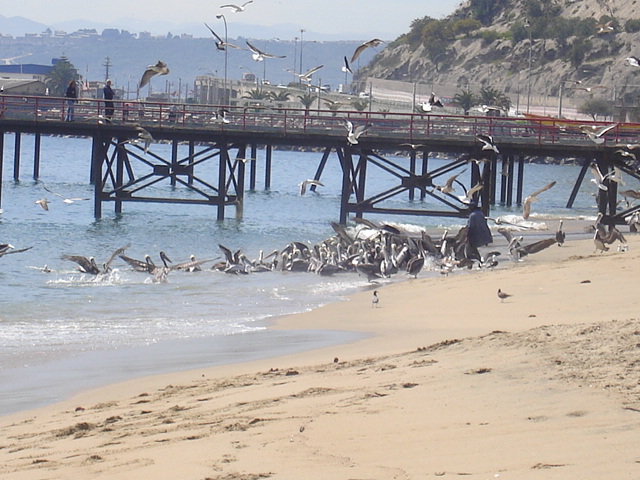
{"x":124,"y":169}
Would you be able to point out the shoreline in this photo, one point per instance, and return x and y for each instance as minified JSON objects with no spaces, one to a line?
{"x":430,"y":344}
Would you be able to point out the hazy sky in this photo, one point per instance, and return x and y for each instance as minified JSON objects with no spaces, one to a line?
{"x":323,"y":16}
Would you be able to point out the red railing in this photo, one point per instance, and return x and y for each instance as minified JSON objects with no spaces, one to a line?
{"x":408,"y":127}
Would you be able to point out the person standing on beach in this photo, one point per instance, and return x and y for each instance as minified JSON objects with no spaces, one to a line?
{"x":108,"y":100}
{"x":478,"y":232}
{"x":72,"y":97}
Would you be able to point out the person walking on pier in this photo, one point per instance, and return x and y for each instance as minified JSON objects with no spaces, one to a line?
{"x":108,"y":100}
{"x":478,"y":232}
{"x":72,"y":97}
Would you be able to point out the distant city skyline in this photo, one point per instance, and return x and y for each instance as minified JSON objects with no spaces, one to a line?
{"x":337,"y":18}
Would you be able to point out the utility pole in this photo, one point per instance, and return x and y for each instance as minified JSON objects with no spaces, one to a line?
{"x":107,"y":66}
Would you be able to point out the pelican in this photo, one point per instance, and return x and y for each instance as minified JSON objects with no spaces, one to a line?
{"x":432,"y":102}
{"x":313,"y":182}
{"x":371,"y":43}
{"x":159,"y":68}
{"x":488,"y":143}
{"x":237,"y":8}
{"x":560,"y":235}
{"x":414,"y":266}
{"x":7,"y":249}
{"x":258,"y":55}
{"x":354,"y":134}
{"x":526,"y":208}
{"x":88,"y":264}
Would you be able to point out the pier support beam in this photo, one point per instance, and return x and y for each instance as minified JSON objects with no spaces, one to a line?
{"x":16,"y":158}
{"x":267,"y":168}
{"x":1,"y":164}
{"x":36,"y":156}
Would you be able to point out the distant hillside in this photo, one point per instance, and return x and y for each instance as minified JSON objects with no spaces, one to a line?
{"x":486,"y":43}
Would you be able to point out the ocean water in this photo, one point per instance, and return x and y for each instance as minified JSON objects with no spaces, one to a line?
{"x":62,"y":331}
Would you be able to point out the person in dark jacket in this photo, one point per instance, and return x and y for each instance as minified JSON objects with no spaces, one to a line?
{"x":108,"y":100}
{"x":72,"y":97}
{"x":478,"y":232}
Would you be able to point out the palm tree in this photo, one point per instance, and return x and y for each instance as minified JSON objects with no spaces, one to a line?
{"x":360,"y":104}
{"x":256,"y":94}
{"x":282,"y":96}
{"x":494,"y":97}
{"x":332,"y":106}
{"x":60,"y":75}
{"x":465,"y":99}
{"x":307,"y":100}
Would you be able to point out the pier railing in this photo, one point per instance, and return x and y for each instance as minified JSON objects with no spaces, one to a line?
{"x":406,"y":127}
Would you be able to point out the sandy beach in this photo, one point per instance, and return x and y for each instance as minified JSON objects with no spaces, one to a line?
{"x":449,"y":382}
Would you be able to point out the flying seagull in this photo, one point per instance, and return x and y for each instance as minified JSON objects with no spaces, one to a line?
{"x":487,"y":141}
{"x":354,"y":134}
{"x":64,"y":199}
{"x":237,"y":8}
{"x":469,"y":196}
{"x":7,"y":248}
{"x":303,"y":185}
{"x":371,"y":43}
{"x":346,"y":68}
{"x":258,"y":55}
{"x":596,"y":132}
{"x":146,"y":137}
{"x":159,"y":68}
{"x":306,"y":76}
{"x":221,"y":44}
{"x":432,"y":102}
{"x":448,"y":186}
{"x":599,"y":178}
{"x":43,"y":202}
{"x":526,"y":207}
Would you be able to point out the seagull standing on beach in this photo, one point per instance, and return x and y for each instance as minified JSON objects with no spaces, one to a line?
{"x":374,"y":299}
{"x":502,"y":295}
{"x":159,"y":68}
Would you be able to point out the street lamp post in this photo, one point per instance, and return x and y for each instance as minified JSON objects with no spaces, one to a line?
{"x":527,"y":25}
{"x":226,"y":39}
{"x":301,"y":33}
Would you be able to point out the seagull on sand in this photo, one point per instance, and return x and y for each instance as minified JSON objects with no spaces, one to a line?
{"x":44,"y":203}
{"x":371,"y":43}
{"x":303,"y":185}
{"x":487,"y":141}
{"x":526,"y":207}
{"x":502,"y":295}
{"x":374,"y":299}
{"x":159,"y":68}
{"x":354,"y":134}
{"x":596,"y":132}
{"x":237,"y":8}
{"x":258,"y":55}
{"x":221,"y":44}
